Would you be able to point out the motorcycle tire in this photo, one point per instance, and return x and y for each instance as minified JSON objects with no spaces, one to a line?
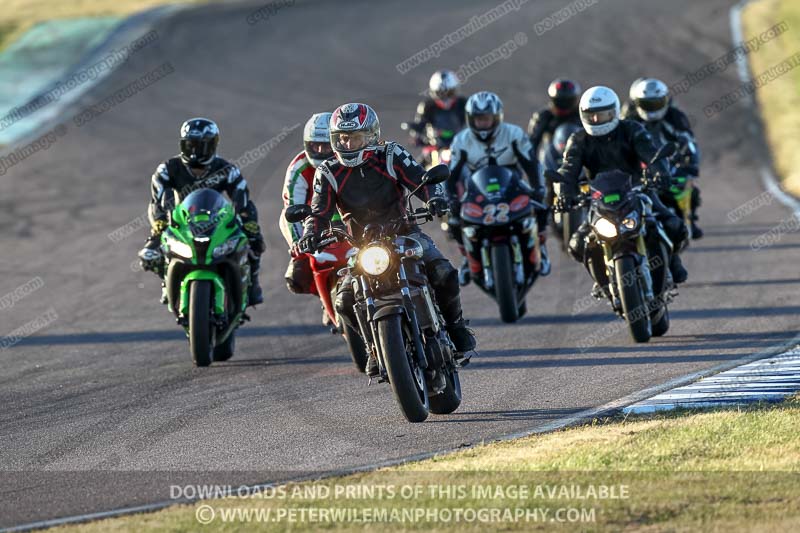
{"x":407,"y":380}
{"x":200,"y":322}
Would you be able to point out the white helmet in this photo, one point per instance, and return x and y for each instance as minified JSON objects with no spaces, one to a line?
{"x":317,"y":138}
{"x":443,"y":86}
{"x":651,"y":99}
{"x":482,"y":104}
{"x":599,"y":110}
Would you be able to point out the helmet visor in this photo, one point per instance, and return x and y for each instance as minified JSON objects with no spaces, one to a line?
{"x":565,"y":103}
{"x":650,"y":105}
{"x":320,"y":150}
{"x":599,"y":116}
{"x":349,"y":141}
{"x":483,"y":122}
{"x":198,"y":150}
{"x":445,"y":94}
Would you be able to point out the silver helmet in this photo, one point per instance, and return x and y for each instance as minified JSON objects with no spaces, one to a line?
{"x":651,"y":99}
{"x":443,"y":87}
{"x":317,"y":138}
{"x":355,"y":131}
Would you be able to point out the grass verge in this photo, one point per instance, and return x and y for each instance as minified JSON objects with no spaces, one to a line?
{"x":18,"y":16}
{"x":724,"y":470}
{"x":778,"y":100}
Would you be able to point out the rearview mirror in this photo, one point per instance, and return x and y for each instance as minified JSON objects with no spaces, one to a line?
{"x":297,"y":213}
{"x":437,"y":174}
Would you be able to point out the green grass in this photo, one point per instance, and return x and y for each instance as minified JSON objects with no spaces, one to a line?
{"x":724,"y":470}
{"x":779,"y":100}
{"x":18,"y":16}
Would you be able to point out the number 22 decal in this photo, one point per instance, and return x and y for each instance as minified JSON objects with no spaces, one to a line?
{"x":495,"y":213}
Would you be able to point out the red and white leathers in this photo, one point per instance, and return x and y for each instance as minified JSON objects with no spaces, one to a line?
{"x":297,"y":189}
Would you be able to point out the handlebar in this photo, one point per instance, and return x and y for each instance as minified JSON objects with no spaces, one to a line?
{"x":334,"y":235}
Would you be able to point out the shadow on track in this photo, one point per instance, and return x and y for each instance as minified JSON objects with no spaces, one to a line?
{"x":532,"y":415}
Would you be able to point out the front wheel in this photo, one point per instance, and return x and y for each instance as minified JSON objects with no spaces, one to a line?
{"x":408,"y":381}
{"x":200,"y":322}
{"x":659,"y":317}
{"x":633,"y":305}
{"x":505,"y":289}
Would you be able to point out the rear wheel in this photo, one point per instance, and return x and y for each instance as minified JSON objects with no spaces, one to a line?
{"x":633,"y":304}
{"x":504,"y":287}
{"x":200,"y":322}
{"x":224,"y":351}
{"x":408,"y":381}
{"x":358,"y":350}
{"x":449,"y":399}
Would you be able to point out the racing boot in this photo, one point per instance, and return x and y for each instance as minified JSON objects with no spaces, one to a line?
{"x":695,"y":230}
{"x":679,"y":273}
{"x":464,"y":274}
{"x":255,"y":296}
{"x":545,"y":268}
{"x":462,"y":337}
{"x":372,"y":369}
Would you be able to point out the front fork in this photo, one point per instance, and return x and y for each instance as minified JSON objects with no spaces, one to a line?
{"x":516,"y":257}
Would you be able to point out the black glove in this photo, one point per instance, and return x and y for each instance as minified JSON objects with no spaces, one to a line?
{"x":663,"y":182}
{"x":257,"y":244}
{"x":307,"y":243}
{"x":150,"y":257}
{"x":438,"y":206}
{"x":563,"y":203}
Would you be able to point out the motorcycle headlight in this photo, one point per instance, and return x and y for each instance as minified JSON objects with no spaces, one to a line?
{"x":630,"y":222}
{"x":225,"y":248}
{"x":374,"y":260}
{"x":179,"y":248}
{"x":605,"y":228}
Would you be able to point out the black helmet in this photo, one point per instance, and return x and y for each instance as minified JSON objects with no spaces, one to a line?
{"x":199,"y":140}
{"x":564,"y":95}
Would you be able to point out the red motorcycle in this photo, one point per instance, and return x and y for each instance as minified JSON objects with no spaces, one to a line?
{"x":325,"y":266}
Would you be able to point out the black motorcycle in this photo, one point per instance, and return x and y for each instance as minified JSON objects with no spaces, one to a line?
{"x":501,"y":237}
{"x":566,"y":223}
{"x":631,"y":263}
{"x":397,"y":313}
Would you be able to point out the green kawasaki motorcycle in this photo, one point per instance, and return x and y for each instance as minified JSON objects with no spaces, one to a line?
{"x":207,"y":274}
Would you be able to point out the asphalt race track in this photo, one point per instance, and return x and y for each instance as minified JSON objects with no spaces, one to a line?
{"x":103,"y":409}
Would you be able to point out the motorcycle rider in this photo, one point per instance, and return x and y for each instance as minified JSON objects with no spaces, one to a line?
{"x":607,"y":143}
{"x":490,"y":140}
{"x":443,"y":109}
{"x":564,"y":95}
{"x":651,"y":104}
{"x":298,"y":188}
{"x":198,"y":167}
{"x":365,"y":183}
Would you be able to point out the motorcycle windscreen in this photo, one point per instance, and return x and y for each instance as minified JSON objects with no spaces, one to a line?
{"x":611,"y":190}
{"x":492,"y":182}
{"x":202,"y":209}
